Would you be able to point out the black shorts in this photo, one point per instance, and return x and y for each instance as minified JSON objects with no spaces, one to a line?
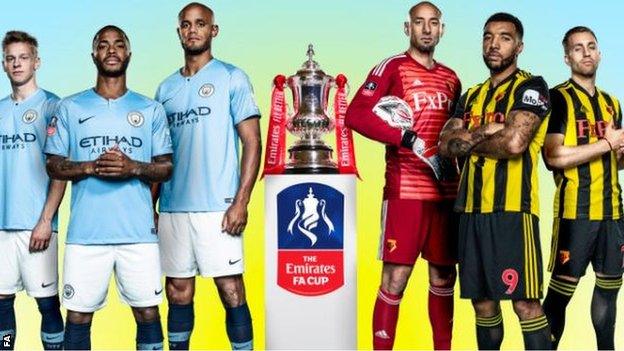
{"x":576,"y":242}
{"x":500,"y":256}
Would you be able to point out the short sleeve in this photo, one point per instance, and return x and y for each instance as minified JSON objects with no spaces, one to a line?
{"x":50,"y":107}
{"x":57,"y":142}
{"x":242,"y":101}
{"x":456,"y":98}
{"x":532,"y":95}
{"x":161,"y":137}
{"x":559,"y":113}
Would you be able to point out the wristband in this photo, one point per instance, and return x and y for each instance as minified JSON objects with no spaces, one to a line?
{"x":608,"y":142}
{"x":408,"y":139}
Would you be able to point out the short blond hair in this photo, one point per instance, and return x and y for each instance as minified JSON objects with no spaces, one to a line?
{"x":16,"y":36}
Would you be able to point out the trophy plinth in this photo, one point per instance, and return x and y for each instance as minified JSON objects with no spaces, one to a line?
{"x":310,"y":88}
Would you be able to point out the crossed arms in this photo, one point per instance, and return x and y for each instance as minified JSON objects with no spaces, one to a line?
{"x":493,"y":140}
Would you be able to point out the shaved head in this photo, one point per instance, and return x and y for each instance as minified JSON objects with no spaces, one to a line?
{"x":198,"y":5}
{"x":414,"y":9}
{"x":196,"y":29}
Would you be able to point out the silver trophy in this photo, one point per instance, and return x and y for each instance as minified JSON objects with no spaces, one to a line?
{"x":310,"y":89}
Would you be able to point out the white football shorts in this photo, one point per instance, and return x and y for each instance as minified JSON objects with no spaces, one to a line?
{"x":20,"y":269}
{"x":192,"y":243}
{"x":87,"y":270}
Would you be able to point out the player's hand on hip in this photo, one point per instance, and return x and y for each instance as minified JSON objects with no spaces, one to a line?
{"x":115,"y":164}
{"x":40,"y":236}
{"x":234,"y":219}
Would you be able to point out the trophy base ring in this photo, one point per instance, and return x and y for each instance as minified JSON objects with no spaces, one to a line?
{"x":310,"y":159}
{"x":317,"y":170}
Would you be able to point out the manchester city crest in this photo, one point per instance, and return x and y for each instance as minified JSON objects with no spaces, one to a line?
{"x":135,"y":119}
{"x":68,"y":291}
{"x":29,"y":116}
{"x":206,"y":90}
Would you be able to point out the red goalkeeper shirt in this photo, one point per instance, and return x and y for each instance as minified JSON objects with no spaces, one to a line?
{"x":432,"y":94}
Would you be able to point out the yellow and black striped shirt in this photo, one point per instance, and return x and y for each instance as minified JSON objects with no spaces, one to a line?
{"x":503,"y":185}
{"x":590,"y":190}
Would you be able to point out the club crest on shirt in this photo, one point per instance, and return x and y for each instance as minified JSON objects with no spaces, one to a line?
{"x":29,"y":116}
{"x":391,"y":245}
{"x":564,"y":256}
{"x":206,"y":90}
{"x":610,"y":110}
{"x":135,"y":119}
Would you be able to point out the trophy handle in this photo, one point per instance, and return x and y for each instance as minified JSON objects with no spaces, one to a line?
{"x":336,"y":83}
{"x":347,"y":91}
{"x":290,"y":114}
{"x":291,"y":110}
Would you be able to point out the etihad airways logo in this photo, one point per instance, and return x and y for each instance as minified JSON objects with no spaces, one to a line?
{"x":101,"y":143}
{"x":16,"y":141}
{"x":190,"y":116}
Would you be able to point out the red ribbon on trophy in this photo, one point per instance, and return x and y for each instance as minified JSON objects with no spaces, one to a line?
{"x":275,"y":155}
{"x":344,"y":136}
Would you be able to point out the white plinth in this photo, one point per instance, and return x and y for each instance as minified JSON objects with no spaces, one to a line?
{"x":310,"y":271}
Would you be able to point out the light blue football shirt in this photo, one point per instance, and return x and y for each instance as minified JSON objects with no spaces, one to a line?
{"x":203,"y":111}
{"x":86,"y":125}
{"x":23,"y":178}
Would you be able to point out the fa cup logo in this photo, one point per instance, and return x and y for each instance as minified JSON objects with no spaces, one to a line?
{"x":307,"y":214}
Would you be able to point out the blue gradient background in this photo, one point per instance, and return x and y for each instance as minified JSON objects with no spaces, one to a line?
{"x":270,"y":37}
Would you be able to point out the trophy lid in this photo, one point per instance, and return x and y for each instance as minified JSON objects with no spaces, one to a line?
{"x":310,"y":67}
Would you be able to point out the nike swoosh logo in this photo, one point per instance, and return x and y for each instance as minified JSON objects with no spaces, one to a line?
{"x":157,"y":292}
{"x":165,"y":101}
{"x":47,"y":285}
{"x":82,"y":120}
{"x":234,"y":262}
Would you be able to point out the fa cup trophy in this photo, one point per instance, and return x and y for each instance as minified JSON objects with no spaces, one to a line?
{"x":309,"y":154}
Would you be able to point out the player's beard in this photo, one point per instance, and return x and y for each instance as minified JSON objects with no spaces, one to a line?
{"x":196,"y":50}
{"x":424,"y":48}
{"x":505,"y":63}
{"x":112,"y":73}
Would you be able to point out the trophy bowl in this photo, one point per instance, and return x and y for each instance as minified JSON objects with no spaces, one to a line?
{"x":310,"y":88}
